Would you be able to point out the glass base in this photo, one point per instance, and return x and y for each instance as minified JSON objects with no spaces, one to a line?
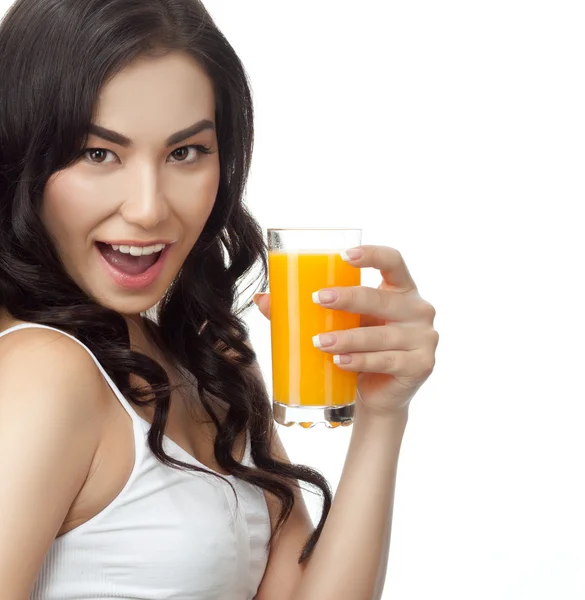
{"x":309,"y":416}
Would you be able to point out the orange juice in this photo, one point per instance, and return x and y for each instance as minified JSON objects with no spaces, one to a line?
{"x":302,"y":374}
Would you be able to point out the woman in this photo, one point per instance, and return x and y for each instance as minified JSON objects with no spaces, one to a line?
{"x":125,"y":143}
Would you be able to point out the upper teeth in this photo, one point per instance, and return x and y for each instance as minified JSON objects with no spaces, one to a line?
{"x":138,"y":250}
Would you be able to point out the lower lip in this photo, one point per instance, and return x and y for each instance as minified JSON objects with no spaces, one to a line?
{"x":136,"y":282}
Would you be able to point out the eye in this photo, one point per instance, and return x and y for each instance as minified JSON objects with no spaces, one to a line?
{"x":91,"y":153}
{"x":200,"y":150}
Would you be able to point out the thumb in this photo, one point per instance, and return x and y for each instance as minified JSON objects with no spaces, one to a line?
{"x":262,"y":301}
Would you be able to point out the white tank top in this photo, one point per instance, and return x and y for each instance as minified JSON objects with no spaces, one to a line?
{"x":168,"y":535}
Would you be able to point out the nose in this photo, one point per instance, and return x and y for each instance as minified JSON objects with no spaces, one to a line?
{"x":145,"y":206}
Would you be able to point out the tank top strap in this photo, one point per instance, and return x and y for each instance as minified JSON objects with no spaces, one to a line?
{"x":133,"y":414}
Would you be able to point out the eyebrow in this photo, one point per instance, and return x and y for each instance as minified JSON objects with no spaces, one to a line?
{"x":179,"y":136}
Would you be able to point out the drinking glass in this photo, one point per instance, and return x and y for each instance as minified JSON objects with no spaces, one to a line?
{"x":308,"y":388}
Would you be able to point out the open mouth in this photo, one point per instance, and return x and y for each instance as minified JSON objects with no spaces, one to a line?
{"x":123,"y":260}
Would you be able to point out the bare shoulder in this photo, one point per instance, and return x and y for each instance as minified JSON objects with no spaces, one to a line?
{"x":44,"y":374}
{"x":32,"y":353}
{"x":52,"y":407}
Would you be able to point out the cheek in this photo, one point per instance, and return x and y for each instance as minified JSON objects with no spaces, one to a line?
{"x":70,"y":208}
{"x":201,"y":199}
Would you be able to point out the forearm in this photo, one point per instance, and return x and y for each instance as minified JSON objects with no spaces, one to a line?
{"x":350,"y":558}
{"x":379,"y":587}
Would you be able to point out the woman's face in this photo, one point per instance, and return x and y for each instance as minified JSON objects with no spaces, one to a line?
{"x":145,"y":191}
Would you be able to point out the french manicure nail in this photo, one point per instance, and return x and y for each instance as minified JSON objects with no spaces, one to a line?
{"x":325,"y":296}
{"x":324,"y":340}
{"x":352,"y":254}
{"x":341,"y":359}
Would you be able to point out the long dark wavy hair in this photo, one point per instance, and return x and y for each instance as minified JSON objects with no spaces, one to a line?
{"x":55,"y":55}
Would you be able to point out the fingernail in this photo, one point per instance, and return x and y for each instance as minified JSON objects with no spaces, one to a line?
{"x":325,"y":296}
{"x":352,"y":254}
{"x":255,"y":298}
{"x":341,"y":359}
{"x":324,"y":340}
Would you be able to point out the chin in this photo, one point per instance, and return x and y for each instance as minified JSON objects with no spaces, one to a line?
{"x":131,"y":307}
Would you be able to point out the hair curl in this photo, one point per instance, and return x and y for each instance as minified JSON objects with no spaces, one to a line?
{"x":55,"y":55}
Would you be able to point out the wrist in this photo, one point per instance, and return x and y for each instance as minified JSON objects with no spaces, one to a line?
{"x":395,"y":421}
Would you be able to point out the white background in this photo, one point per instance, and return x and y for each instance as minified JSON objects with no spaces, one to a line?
{"x":453,"y":131}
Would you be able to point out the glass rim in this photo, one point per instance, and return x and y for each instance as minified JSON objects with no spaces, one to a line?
{"x":313,"y":229}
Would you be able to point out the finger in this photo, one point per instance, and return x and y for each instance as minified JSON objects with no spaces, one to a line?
{"x":400,"y":363}
{"x":389,"y":262}
{"x":370,"y":339}
{"x":383,"y":304}
{"x":262,"y":301}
